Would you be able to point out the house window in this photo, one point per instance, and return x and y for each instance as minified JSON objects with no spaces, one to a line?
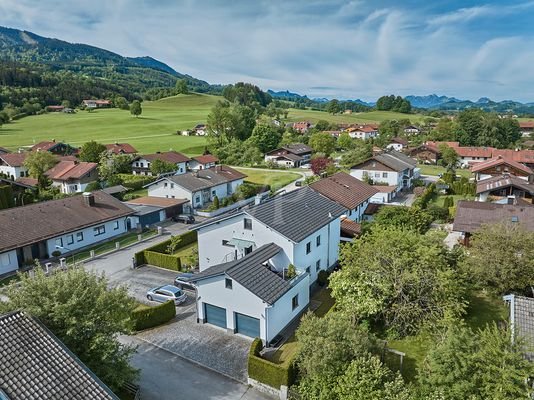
{"x":213,"y":193}
{"x":79,"y":236}
{"x":295,"y":302}
{"x":247,"y":224}
{"x":70,"y":239}
{"x":308,"y":248}
{"x":377,"y":174}
{"x":22,"y":174}
{"x":165,"y":184}
{"x":99,"y":230}
{"x":318,"y":240}
{"x":59,"y":242}
{"x":137,"y":164}
{"x":308,"y":269}
{"x":172,"y":185}
{"x":116,"y":225}
{"x":318,"y":265}
{"x":384,"y":174}
{"x":228,"y":283}
{"x":197,"y":200}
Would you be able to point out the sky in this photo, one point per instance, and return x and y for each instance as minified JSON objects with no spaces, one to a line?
{"x":336,"y":49}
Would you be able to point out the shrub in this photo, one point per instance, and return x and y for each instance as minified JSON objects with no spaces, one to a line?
{"x":144,"y":317}
{"x":322,"y":277}
{"x":161,"y":260}
{"x":157,"y":254}
{"x":216,"y":204}
{"x":56,"y":253}
{"x":438,"y":213}
{"x":291,"y":271}
{"x":135,"y":182}
{"x":267,"y":372}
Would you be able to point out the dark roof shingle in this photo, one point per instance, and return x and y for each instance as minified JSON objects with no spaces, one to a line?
{"x":344,"y":189}
{"x":205,"y":178}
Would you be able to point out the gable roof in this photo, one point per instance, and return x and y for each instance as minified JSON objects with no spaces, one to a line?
{"x":399,"y":140}
{"x":36,"y":365}
{"x":206,"y":159}
{"x":204,"y":178}
{"x":41,"y":221}
{"x":20,"y":182}
{"x":500,"y":160}
{"x":350,"y":228}
{"x":392,"y":159}
{"x":3,"y":150}
{"x":252,"y":274}
{"x":521,"y":156}
{"x":157,"y":201}
{"x":14,"y":159}
{"x":121,"y":148}
{"x":502,"y":181}
{"x":298,"y":148}
{"x":297,"y":214}
{"x":172,"y":157}
{"x":65,"y":170}
{"x":470,"y":215}
{"x":344,"y":189}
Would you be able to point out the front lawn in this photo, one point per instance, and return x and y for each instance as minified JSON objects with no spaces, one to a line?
{"x":436,"y":170}
{"x":186,"y":251}
{"x":438,"y":199}
{"x":276,"y":179}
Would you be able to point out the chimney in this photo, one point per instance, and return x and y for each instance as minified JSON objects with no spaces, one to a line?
{"x":257,"y":199}
{"x":88,"y":199}
{"x":511,"y":200}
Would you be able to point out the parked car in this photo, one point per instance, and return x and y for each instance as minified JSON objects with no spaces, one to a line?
{"x":298,"y":183}
{"x":183,"y":281}
{"x":186,"y":219}
{"x":165,"y":293}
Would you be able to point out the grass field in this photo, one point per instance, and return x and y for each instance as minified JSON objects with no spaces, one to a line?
{"x":435,"y":170}
{"x":275,"y":179}
{"x":371,"y":116}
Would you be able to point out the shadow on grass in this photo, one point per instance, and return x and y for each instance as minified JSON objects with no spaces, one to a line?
{"x":485,"y":308}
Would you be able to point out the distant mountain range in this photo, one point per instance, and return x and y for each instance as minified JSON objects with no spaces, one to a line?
{"x":289,"y":96}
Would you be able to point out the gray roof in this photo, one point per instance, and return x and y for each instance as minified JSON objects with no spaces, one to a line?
{"x":522,"y":320}
{"x":36,"y":365}
{"x":298,"y":148}
{"x":250,"y":272}
{"x":395,"y":160}
{"x":141,"y":209}
{"x":297,"y":214}
{"x":115,"y":189}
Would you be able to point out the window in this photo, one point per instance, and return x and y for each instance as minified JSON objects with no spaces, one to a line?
{"x":99,"y":230}
{"x":136,"y":164}
{"x":116,"y":225}
{"x":228,"y":283}
{"x":295,"y":301}
{"x":172,"y":185}
{"x":227,"y":243}
{"x":197,"y":200}
{"x":59,"y":242}
{"x":22,"y":174}
{"x":79,"y":236}
{"x":384,"y":174}
{"x":165,"y":184}
{"x":247,"y":224}
{"x":308,"y":248}
{"x":213,"y":193}
{"x":377,"y":174}
{"x":318,"y":240}
{"x":318,"y":265}
{"x":70,"y":239}
{"x":308,"y":269}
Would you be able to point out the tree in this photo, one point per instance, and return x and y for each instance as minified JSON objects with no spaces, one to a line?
{"x":265,"y":138}
{"x":345,"y":142}
{"x":323,"y":142}
{"x":501,"y":257}
{"x":227,"y":122}
{"x":449,"y":156}
{"x":320,"y":164}
{"x":121,"y":102}
{"x":6,"y":197}
{"x":181,"y":86}
{"x":362,"y":151}
{"x":174,"y":244}
{"x":413,"y":218}
{"x":470,"y":123}
{"x":237,"y":152}
{"x":112,"y":164}
{"x":135,"y":108}
{"x":85,"y":313}
{"x":37,"y":163}
{"x":158,"y":167}
{"x":322,"y":125}
{"x":398,"y":278}
{"x":333,"y":107}
{"x":289,"y":137}
{"x":477,"y":365}
{"x":247,"y":94}
{"x":92,"y":151}
{"x":445,"y":130}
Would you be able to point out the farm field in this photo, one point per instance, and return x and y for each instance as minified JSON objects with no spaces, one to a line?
{"x":154,"y":130}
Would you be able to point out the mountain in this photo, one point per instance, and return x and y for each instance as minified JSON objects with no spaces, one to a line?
{"x":430,"y":101}
{"x":289,"y":96}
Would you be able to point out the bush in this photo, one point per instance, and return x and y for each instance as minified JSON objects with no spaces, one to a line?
{"x":56,"y":253}
{"x":157,"y":254}
{"x":144,"y":317}
{"x":438,"y":213}
{"x":267,"y":372}
{"x":216,"y":204}
{"x":135,"y":182}
{"x":322,"y":277}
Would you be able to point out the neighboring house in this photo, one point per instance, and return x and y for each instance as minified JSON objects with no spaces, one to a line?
{"x":498,"y":166}
{"x":115,"y":191}
{"x":18,"y":187}
{"x":293,"y":155}
{"x":73,"y":176}
{"x":199,"y":187}
{"x":252,"y":296}
{"x":141,"y":165}
{"x":526,"y":128}
{"x":12,"y":165}
{"x":121,"y":148}
{"x":522,"y":321}
{"x":350,"y":229}
{"x":200,"y":130}
{"x":203,"y":162}
{"x":502,"y":186}
{"x":385,"y":194}
{"x":37,"y":365}
{"x":362,"y":132}
{"x":397,"y":144}
{"x":151,"y":210}
{"x":429,"y":152}
{"x":412,"y":130}
{"x":97,"y":103}
{"x":348,"y":191}
{"x":57,"y":148}
{"x":55,"y":108}
{"x":66,"y":225}
{"x":470,"y":215}
{"x":302,"y":126}
{"x":525,"y":157}
{"x":473,"y":155}
{"x":391,"y":168}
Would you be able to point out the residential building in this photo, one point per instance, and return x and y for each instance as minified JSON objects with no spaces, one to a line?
{"x":348,"y":191}
{"x":203,"y":162}
{"x":526,"y":128}
{"x":391,"y":168}
{"x":412,"y":130}
{"x":151,"y":210}
{"x":471,"y":215}
{"x":73,"y":176}
{"x":498,"y":166}
{"x":384,"y":194}
{"x":501,"y":186}
{"x":121,"y":148}
{"x":55,"y":108}
{"x":200,"y":130}
{"x":12,"y":165}
{"x":290,"y":156}
{"x":362,"y":132}
{"x":97,"y":103}
{"x":252,"y":296}
{"x":141,"y":165}
{"x":65,"y":225}
{"x":57,"y":148}
{"x":521,"y":319}
{"x":302,"y":126}
{"x":37,"y":365}
{"x":397,"y":144}
{"x":525,"y":157}
{"x":199,"y":187}
{"x":3,"y":150}
{"x":349,"y":229}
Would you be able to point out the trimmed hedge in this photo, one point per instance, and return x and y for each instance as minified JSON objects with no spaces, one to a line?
{"x":161,"y":260}
{"x":144,"y":317}
{"x":135,"y":182}
{"x":157,"y":254}
{"x":267,"y":372}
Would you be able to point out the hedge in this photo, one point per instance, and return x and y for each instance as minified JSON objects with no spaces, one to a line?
{"x":161,"y":260}
{"x":145,"y":317}
{"x":157,"y":254}
{"x":135,"y":182}
{"x":267,"y":372}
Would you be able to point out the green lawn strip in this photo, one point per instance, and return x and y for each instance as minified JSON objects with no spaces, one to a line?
{"x":139,"y":192}
{"x":435,"y":170}
{"x":186,"y":250}
{"x":438,"y":199}
{"x":275,"y":179}
{"x":10,"y":279}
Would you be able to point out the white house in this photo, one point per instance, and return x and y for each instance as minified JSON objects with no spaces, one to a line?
{"x":412,"y":130}
{"x":290,"y":156}
{"x":348,"y":191}
{"x":389,"y":169}
{"x":12,"y":165}
{"x":397,"y":144}
{"x":200,"y":130}
{"x":203,"y":162}
{"x":73,"y":176}
{"x":363,"y":132}
{"x":37,"y":230}
{"x":199,"y":187}
{"x":303,"y":227}
{"x":141,"y":164}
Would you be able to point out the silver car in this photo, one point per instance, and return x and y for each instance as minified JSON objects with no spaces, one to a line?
{"x":166,"y":293}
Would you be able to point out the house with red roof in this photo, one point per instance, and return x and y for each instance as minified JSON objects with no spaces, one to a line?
{"x":498,"y":166}
{"x":97,"y":103}
{"x":73,"y":176}
{"x":121,"y":148}
{"x":12,"y":165}
{"x":57,"y":148}
{"x":141,"y":164}
{"x":362,"y":132}
{"x":204,"y":161}
{"x":302,"y":126}
{"x":526,"y":128}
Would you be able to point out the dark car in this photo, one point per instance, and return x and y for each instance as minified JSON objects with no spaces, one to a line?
{"x":183,"y":281}
{"x":186,"y":219}
{"x":298,"y":183}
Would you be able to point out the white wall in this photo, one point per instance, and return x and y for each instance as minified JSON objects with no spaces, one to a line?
{"x":17,"y":172}
{"x":395,"y":146}
{"x":356,"y":214}
{"x":8,"y":262}
{"x":393,"y":178}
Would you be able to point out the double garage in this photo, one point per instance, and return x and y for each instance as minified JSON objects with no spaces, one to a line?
{"x":244,"y":324}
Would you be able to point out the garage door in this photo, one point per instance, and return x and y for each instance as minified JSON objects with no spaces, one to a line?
{"x":247,"y":326}
{"x":215,"y":315}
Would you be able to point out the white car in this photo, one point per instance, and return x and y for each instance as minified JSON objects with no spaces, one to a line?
{"x":165,"y":293}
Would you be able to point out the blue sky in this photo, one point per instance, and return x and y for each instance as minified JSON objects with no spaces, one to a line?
{"x":344,"y":49}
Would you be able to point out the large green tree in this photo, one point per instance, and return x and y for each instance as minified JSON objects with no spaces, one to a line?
{"x":413,"y":218}
{"x":333,"y":107}
{"x":345,"y":142}
{"x":265,"y":137}
{"x":398,"y":278}
{"x":322,"y":142}
{"x":135,"y":108}
{"x":449,"y":156}
{"x":181,"y":86}
{"x":85,"y":314}
{"x":112,"y":164}
{"x":37,"y":163}
{"x":158,"y":167}
{"x":91,"y":151}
